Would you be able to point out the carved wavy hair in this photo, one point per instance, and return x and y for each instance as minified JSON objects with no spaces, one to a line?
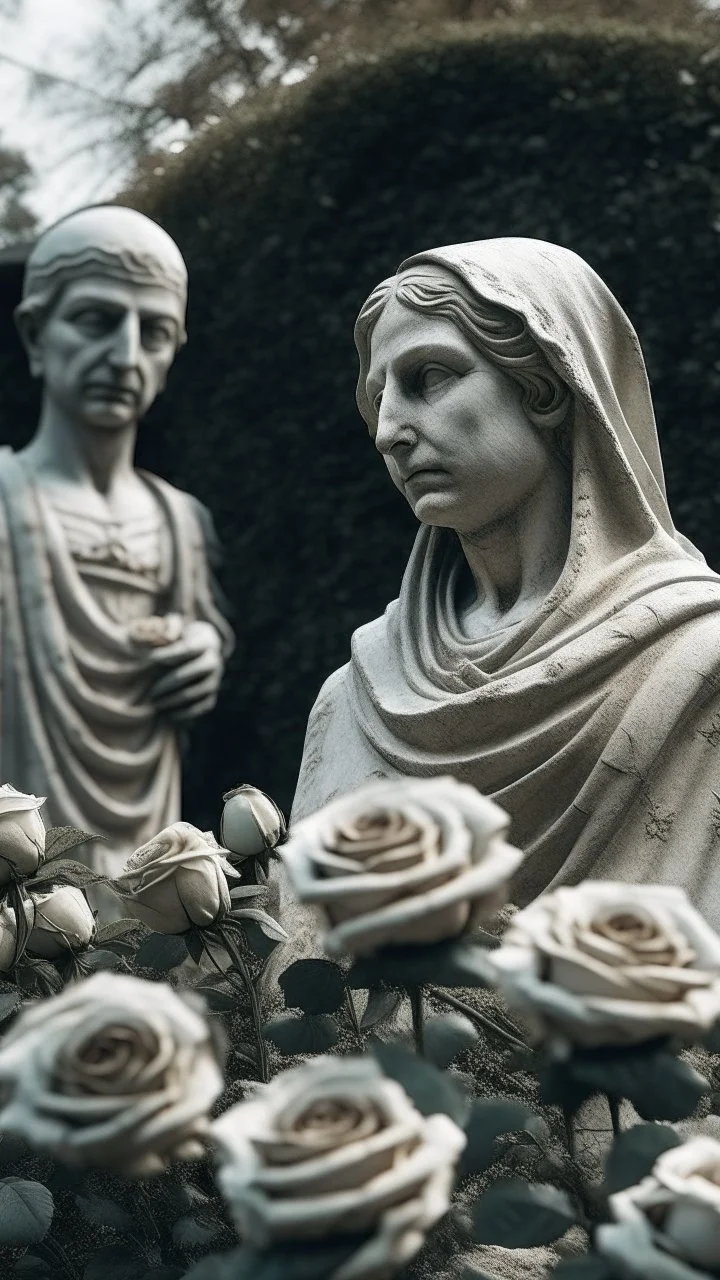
{"x":499,"y":334}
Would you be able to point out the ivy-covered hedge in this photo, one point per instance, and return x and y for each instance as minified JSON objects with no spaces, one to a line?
{"x":289,"y":214}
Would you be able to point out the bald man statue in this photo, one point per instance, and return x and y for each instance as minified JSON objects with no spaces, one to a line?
{"x":112,"y":633}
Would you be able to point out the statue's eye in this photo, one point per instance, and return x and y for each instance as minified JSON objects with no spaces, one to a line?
{"x":93,"y":321}
{"x":434,"y":375}
{"x":156,"y":334}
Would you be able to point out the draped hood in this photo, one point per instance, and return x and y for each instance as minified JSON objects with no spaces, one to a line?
{"x":595,"y":721}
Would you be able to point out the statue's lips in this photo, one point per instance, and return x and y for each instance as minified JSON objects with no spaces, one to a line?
{"x":423,"y":473}
{"x":108,"y":391}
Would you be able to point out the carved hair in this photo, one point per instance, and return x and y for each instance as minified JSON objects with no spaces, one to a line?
{"x":499,"y":334}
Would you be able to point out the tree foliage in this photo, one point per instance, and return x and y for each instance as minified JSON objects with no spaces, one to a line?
{"x":16,"y":219}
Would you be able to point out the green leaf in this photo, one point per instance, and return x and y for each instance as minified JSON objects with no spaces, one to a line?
{"x":242,"y":891}
{"x":59,"y":840}
{"x":97,"y":958}
{"x":489,"y":1119}
{"x":259,"y":942}
{"x":9,"y":1003}
{"x":303,"y":1033}
{"x":634,"y":1152}
{"x":65,"y":871}
{"x":561,"y":1088}
{"x":315,"y":986}
{"x":104,"y":1213}
{"x":431,"y":1090}
{"x":381,"y":1005}
{"x":444,"y":964}
{"x":118,"y":929}
{"x":194,"y":943}
{"x":591,"y":1267}
{"x":220,"y":1266}
{"x":26,"y":1211}
{"x":189,"y":1233}
{"x":521,"y":1215}
{"x":30,"y":1267}
{"x":162,"y":951}
{"x":113,"y":1262}
{"x":220,"y":999}
{"x":447,"y":1035}
{"x":265,"y":922}
{"x":659,"y":1085}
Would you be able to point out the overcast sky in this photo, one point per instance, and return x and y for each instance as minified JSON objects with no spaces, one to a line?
{"x":46,"y":36}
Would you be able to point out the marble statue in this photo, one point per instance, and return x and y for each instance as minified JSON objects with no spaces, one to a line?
{"x":556,"y":643}
{"x":112,"y":632}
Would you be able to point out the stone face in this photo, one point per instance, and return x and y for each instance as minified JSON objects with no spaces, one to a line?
{"x":556,"y":643}
{"x":110,"y":631}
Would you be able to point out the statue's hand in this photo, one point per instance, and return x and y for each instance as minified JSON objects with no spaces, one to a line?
{"x":190,"y":687}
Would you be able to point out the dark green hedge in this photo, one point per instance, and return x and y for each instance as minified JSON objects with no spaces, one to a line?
{"x":609,"y":144}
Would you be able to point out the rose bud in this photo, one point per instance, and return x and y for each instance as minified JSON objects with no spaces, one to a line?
{"x":8,"y":932}
{"x":63,"y":922}
{"x":251,"y":823}
{"x":22,"y":833}
{"x":176,"y":880}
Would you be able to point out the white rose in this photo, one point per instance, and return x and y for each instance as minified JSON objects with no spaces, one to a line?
{"x":606,"y":963}
{"x":335,"y":1147}
{"x":678,"y":1204}
{"x":22,"y":833}
{"x":62,"y":922}
{"x":251,"y":822}
{"x":8,"y":932}
{"x":114,"y":1072}
{"x":176,"y":880}
{"x":412,"y":860}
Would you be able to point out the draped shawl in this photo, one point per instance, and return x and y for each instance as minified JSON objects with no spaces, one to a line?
{"x":75,"y":721}
{"x":595,"y":721}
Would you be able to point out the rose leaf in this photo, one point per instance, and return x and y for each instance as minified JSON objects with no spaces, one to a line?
{"x":381,"y":1005}
{"x":32,"y":972}
{"x":188,"y":1232}
{"x":116,"y":1263}
{"x":303,"y":1033}
{"x":456,"y":963}
{"x":589,"y":1268}
{"x":65,"y":871}
{"x":9,"y":1002}
{"x":115,"y":930}
{"x":560,"y":1087}
{"x":659,"y":1085}
{"x":221,"y":999}
{"x":162,"y":951}
{"x":446,"y":1036}
{"x":260,"y":943}
{"x":26,"y":1211}
{"x":222,"y":1266}
{"x":104,"y":1213}
{"x":431,"y":1090}
{"x":99,"y":958}
{"x":521,"y":1215}
{"x":634,"y":1152}
{"x":489,"y":1119}
{"x":59,"y":840}
{"x":30,"y":1267}
{"x":315,"y":986}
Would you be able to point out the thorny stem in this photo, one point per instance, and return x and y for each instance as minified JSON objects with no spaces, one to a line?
{"x":481,"y":1018}
{"x":418,"y":1017}
{"x":238,"y":962}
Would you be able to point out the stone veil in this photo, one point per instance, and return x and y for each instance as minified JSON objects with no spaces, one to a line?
{"x":595,"y":720}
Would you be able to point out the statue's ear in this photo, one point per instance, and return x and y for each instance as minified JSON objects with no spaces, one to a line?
{"x":29,"y":326}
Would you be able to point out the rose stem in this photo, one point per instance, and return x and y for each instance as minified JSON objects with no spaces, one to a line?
{"x":481,"y":1018}
{"x":57,"y":1252}
{"x":614,"y":1106}
{"x":241,"y":968}
{"x":418,"y":1016}
{"x":352,"y":1014}
{"x":569,"y":1132}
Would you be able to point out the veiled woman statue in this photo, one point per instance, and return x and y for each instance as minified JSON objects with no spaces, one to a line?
{"x":111,"y":632}
{"x":556,"y":643}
